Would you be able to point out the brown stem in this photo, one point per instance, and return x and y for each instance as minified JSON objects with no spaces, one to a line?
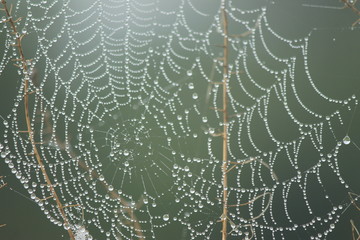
{"x":225,"y":123}
{"x":353,"y":8}
{"x":354,"y":231}
{"x":225,"y":161}
{"x":353,"y":201}
{"x":27,"y":116}
{"x":3,"y":185}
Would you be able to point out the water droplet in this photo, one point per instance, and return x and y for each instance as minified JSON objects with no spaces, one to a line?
{"x":189,"y":72}
{"x":126,"y":153}
{"x":195,"y":96}
{"x":111,"y":188}
{"x":191,"y":85}
{"x":166,"y":217}
{"x":66,"y":226}
{"x":101,"y":178}
{"x":3,"y":154}
{"x":346,"y":140}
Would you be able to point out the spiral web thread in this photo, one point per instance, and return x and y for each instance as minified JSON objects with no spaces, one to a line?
{"x":126,"y":117}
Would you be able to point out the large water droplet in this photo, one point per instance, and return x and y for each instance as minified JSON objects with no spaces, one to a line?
{"x":346,"y":140}
{"x":3,"y":154}
{"x":211,"y":130}
{"x":66,"y":226}
{"x":189,"y":72}
{"x":166,"y":217}
{"x":195,"y":96}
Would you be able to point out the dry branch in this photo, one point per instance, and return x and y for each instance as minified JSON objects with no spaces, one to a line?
{"x":354,"y":231}
{"x":24,"y":67}
{"x":225,"y":123}
{"x":352,"y":6}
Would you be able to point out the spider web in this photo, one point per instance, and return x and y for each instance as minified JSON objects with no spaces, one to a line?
{"x":126,"y":114}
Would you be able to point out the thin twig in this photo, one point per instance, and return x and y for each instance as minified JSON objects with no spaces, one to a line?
{"x":353,"y":201}
{"x":352,"y":6}
{"x":24,"y":67}
{"x":3,"y":185}
{"x":225,"y":122}
{"x":353,"y":230}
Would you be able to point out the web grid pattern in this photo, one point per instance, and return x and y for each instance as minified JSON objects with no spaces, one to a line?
{"x":126,"y":114}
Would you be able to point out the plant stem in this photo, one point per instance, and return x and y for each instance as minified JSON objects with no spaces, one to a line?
{"x":24,"y":68}
{"x":225,"y":124}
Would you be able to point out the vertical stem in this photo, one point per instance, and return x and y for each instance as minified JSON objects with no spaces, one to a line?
{"x":24,"y":68}
{"x":225,"y":123}
{"x":40,"y":162}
